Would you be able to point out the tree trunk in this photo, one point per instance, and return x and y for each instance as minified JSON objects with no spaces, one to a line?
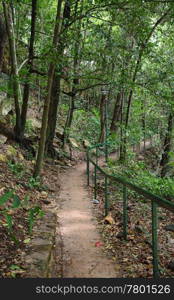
{"x":29,"y":68}
{"x":69,"y":120}
{"x":130,"y":102}
{"x":52,"y":116}
{"x":122,"y":150}
{"x":102,"y":119}
{"x":3,"y":37}
{"x":168,"y":147}
{"x":51,"y":72}
{"x":55,"y":96}
{"x":14,"y":68}
{"x":75,"y":80}
{"x":137,"y":67}
{"x":143,"y":122}
{"x":116,"y":114}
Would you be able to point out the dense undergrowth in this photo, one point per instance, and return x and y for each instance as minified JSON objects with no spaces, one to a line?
{"x":142,"y":174}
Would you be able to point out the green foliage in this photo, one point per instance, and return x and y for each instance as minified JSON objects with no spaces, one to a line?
{"x":16,"y":168}
{"x":86,"y":125}
{"x":160,"y":186}
{"x":137,"y":173}
{"x":34,"y":183}
{"x":25,"y":201}
{"x":15,"y":269}
{"x":4,"y":198}
{"x":29,"y":127}
{"x":33,"y":212}
{"x":5,"y":212}
{"x":29,"y":155}
{"x":9,"y":223}
{"x":171,"y":156}
{"x":16,"y":202}
{"x":113,"y":141}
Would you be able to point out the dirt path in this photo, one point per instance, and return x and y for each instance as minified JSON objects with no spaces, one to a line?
{"x":81,"y":258}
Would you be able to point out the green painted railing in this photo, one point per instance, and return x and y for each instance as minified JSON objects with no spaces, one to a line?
{"x":155,"y":200}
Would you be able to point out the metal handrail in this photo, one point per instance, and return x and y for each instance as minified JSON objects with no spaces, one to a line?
{"x":155,"y":201}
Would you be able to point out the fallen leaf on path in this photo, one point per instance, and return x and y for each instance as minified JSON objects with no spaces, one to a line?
{"x":98,"y":244}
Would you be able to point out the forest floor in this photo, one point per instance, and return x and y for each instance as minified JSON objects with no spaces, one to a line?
{"x":16,"y":175}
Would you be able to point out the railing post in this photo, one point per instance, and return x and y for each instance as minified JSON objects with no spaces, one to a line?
{"x":95,"y":175}
{"x":96,"y":153}
{"x":156,"y":272}
{"x":87,"y":167}
{"x":95,"y":182}
{"x":125,"y":215}
{"x":106,"y":196}
{"x":106,"y":152}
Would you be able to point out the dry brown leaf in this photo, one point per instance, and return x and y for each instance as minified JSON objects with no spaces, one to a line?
{"x":109,"y":219}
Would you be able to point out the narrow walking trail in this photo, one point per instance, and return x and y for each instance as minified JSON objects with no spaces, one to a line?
{"x":81,"y":258}
{"x":78,"y":226}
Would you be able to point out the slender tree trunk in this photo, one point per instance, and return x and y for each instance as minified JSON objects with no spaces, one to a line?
{"x":143,"y":122}
{"x":116,"y":114}
{"x":104,"y":98}
{"x":3,"y":38}
{"x":121,"y":157}
{"x":14,"y":68}
{"x":168,"y":147}
{"x":55,"y":97}
{"x":102,"y":119}
{"x":52,"y":116}
{"x":137,"y":67}
{"x":29,"y":68}
{"x":51,"y":72}
{"x":69,"y":120}
{"x":75,"y":80}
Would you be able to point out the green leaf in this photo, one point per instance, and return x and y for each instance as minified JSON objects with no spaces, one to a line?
{"x":4,"y":198}
{"x":41,"y":214}
{"x":33,"y":212}
{"x":15,"y":267}
{"x":36,"y":210}
{"x":27,"y":241}
{"x":26,"y":201}
{"x":16,"y":202}
{"x":9,"y":222}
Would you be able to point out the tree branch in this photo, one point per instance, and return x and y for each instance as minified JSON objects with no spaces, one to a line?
{"x":22,"y":64}
{"x":83,"y":89}
{"x":155,"y":25}
{"x":91,"y":10}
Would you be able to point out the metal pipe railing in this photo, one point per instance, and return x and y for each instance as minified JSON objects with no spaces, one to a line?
{"x":156,"y":201}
